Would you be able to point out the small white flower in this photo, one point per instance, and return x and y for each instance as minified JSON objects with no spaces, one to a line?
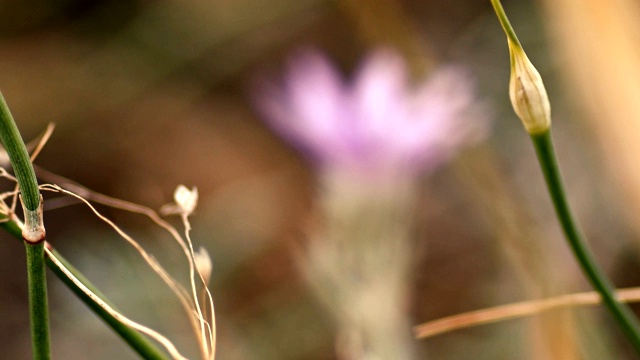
{"x":185,"y":202}
{"x":186,"y":199}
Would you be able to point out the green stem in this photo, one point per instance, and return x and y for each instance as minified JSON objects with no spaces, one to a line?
{"x":504,"y":21}
{"x":627,"y":321}
{"x":139,"y":343}
{"x":38,"y":301}
{"x":34,"y":234}
{"x":19,"y":157}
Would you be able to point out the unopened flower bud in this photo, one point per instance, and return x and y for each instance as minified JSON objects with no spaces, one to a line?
{"x":527,"y":92}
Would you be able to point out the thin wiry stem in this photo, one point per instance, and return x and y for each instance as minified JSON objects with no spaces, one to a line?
{"x":207,"y":342}
{"x":204,"y":327}
{"x":150,"y":260}
{"x":191,"y":305}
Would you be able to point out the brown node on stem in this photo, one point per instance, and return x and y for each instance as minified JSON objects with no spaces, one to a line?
{"x":33,"y":231}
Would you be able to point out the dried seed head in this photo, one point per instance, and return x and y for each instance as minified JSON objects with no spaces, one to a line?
{"x":527,"y":92}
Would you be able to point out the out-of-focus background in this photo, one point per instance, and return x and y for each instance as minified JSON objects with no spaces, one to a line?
{"x":150,"y":94}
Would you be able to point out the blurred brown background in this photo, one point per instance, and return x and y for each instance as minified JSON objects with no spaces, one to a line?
{"x":150,"y":94}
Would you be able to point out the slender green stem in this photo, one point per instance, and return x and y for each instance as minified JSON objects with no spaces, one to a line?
{"x":33,"y":232}
{"x":504,"y":21}
{"x":19,"y":157}
{"x":621,"y":312}
{"x":38,"y":301}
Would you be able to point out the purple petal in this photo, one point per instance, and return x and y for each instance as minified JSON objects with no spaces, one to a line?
{"x":378,"y":126}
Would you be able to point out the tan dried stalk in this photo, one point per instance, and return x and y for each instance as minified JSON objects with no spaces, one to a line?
{"x":517,"y":310}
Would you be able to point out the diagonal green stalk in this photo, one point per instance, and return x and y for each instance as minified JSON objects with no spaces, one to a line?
{"x":625,"y":318}
{"x":34,"y":235}
{"x":138,"y":342}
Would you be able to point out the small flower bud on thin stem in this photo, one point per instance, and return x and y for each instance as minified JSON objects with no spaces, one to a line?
{"x":527,"y":92}
{"x":529,"y":99}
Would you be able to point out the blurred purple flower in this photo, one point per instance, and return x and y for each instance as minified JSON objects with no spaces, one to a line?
{"x":379,"y":125}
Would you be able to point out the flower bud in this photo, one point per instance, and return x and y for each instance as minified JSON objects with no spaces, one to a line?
{"x":527,"y":92}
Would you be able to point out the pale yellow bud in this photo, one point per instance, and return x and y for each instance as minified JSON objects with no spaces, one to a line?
{"x":528,"y":95}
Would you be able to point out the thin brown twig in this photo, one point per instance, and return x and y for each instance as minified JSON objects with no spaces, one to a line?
{"x":517,"y":310}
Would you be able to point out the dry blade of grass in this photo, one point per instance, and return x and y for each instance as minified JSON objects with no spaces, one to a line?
{"x":202,"y":324}
{"x":517,"y":310}
{"x":203,"y":327}
{"x":41,"y":142}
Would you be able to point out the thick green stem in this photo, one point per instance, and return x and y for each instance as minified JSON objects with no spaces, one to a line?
{"x":621,"y":313}
{"x":38,"y":301}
